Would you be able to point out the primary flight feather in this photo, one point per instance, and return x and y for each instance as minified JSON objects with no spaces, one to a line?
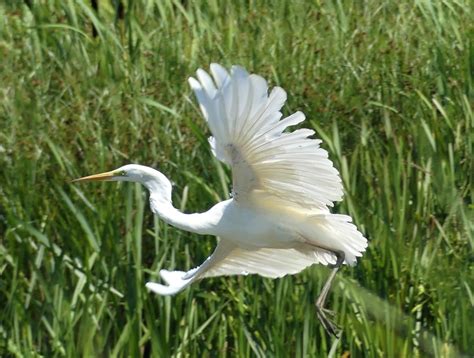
{"x":278,"y":220}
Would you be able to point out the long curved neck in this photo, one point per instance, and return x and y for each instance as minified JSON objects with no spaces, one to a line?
{"x":199,"y":223}
{"x":160,"y":201}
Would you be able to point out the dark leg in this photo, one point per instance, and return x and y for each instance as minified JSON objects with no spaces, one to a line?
{"x":328,"y":325}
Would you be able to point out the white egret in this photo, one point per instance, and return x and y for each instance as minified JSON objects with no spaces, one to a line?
{"x":278,"y":220}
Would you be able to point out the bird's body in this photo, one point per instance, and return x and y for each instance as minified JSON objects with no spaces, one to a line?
{"x":261,"y":222}
{"x":278,"y":220}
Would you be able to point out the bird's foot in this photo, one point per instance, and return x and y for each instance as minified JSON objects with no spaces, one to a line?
{"x":329,"y":326}
{"x":326,"y":311}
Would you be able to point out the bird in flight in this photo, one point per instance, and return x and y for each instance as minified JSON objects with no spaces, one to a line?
{"x":277,"y":221}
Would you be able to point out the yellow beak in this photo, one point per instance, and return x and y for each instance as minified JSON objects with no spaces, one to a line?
{"x":96,"y":177}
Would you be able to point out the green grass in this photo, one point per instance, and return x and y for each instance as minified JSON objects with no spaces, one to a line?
{"x":387,"y":85}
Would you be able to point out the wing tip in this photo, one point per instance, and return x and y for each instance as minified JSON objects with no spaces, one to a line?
{"x":216,"y":66}
{"x":161,"y":289}
{"x":194,"y":83}
{"x":239,"y":71}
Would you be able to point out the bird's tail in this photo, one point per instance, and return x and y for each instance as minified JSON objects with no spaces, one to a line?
{"x":337,"y":232}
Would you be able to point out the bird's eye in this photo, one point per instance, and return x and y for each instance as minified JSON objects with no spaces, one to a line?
{"x":123,"y":173}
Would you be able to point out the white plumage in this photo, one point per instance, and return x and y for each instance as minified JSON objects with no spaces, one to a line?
{"x":286,"y":169}
{"x":249,"y":135}
{"x":278,"y":220}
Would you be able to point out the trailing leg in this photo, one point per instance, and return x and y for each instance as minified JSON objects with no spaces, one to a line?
{"x":322,"y":312}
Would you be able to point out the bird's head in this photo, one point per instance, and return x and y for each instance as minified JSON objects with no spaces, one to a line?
{"x":155,"y":181}
{"x":130,"y":172}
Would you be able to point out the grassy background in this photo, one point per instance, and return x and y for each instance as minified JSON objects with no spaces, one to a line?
{"x":388,"y":86}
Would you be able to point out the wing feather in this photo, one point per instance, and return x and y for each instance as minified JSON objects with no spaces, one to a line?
{"x":249,"y":135}
{"x":176,"y":281}
{"x":229,"y":259}
{"x":269,"y":262}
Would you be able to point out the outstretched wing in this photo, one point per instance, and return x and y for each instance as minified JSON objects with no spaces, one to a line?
{"x":228,"y":259}
{"x":249,"y":136}
{"x":177,"y":281}
{"x":268,"y":262}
